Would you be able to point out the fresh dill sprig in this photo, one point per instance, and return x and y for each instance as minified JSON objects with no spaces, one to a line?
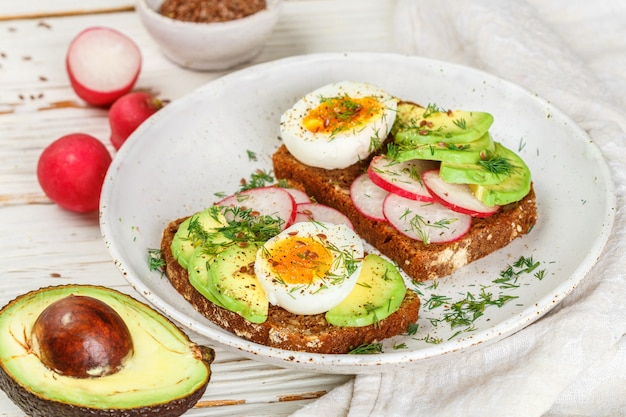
{"x":156,"y":262}
{"x":412,"y":329}
{"x":397,"y":346}
{"x":437,"y":301}
{"x":247,"y":226}
{"x":433,"y":340}
{"x":367,"y":348}
{"x":371,"y":309}
{"x":524,"y":265}
{"x":498,"y":165}
{"x":258,"y":179}
{"x":421,"y":227}
{"x":462,"y":313}
{"x":431,"y":109}
{"x":251,"y":155}
{"x":460,"y":123}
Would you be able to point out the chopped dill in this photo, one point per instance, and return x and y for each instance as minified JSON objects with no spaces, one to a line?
{"x":259,"y":178}
{"x":460,"y":123}
{"x":251,"y":155}
{"x":434,"y":340}
{"x":156,"y":262}
{"x":498,"y":165}
{"x":367,"y":348}
{"x":400,"y":346}
{"x":462,"y":313}
{"x":412,"y":329}
{"x":421,"y":227}
{"x":371,"y":309}
{"x":431,"y":109}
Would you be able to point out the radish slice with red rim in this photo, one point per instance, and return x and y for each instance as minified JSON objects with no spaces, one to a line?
{"x":316,"y":212}
{"x":103,"y":64}
{"x":298,"y":195}
{"x":429,"y":222}
{"x":368,"y":198}
{"x":457,"y":197}
{"x":269,"y":201}
{"x":402,"y":178}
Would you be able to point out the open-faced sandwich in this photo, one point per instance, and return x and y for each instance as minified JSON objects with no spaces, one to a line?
{"x":287,"y":266}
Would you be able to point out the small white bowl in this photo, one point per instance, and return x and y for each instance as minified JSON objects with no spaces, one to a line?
{"x":209,"y":46}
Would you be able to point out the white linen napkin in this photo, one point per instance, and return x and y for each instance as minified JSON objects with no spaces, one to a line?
{"x":572,"y":362}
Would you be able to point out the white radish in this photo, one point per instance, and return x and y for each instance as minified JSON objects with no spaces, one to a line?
{"x":402,"y":178}
{"x":429,"y":222}
{"x":269,"y":201}
{"x":298,"y":195}
{"x":368,"y":198}
{"x":457,"y":197}
{"x":103,"y":65}
{"x":316,"y":212}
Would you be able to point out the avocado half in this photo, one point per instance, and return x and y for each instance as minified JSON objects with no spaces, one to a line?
{"x":166,"y":375}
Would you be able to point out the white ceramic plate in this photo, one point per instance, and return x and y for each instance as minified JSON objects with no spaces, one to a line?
{"x":199,"y":145}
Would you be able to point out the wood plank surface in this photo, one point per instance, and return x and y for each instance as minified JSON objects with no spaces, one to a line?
{"x":42,"y":245}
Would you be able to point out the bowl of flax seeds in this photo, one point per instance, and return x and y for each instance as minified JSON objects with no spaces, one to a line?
{"x":209,"y":35}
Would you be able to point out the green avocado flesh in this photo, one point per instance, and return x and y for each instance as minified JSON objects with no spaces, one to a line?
{"x":378,"y":293}
{"x":469,"y":152}
{"x":461,"y":142}
{"x":512,"y":188}
{"x":495,"y":168}
{"x":187,"y":239}
{"x":165,"y":376}
{"x":429,"y":125}
{"x":234,"y":284}
{"x":198,"y":272}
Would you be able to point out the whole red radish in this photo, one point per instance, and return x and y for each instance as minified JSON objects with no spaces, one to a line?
{"x":128,"y":112}
{"x":71,"y":171}
{"x":103,"y":64}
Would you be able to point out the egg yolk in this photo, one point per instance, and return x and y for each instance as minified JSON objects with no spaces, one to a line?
{"x":299,"y":260}
{"x":341,"y":113}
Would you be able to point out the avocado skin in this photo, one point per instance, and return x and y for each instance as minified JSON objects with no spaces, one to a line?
{"x":35,"y":405}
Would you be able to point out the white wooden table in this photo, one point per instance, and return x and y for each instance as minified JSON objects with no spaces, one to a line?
{"x":43,"y":245}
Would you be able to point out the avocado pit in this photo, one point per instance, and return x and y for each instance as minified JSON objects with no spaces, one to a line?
{"x":81,"y":337}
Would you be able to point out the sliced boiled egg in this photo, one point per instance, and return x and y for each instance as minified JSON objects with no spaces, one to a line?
{"x":310,"y":267}
{"x":338,"y":124}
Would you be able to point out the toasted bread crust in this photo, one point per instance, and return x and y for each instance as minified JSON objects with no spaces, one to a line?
{"x":282,"y":329}
{"x":418,"y":260}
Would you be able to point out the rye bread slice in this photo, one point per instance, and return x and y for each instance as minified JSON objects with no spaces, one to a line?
{"x":418,"y":260}
{"x":283,"y":329}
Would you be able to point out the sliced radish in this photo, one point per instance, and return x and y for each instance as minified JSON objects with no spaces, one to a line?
{"x":429,"y":222}
{"x":457,"y":197}
{"x":269,"y":201}
{"x":103,"y":65}
{"x":298,"y":195}
{"x":402,"y":178}
{"x":321,"y":213}
{"x":368,"y":198}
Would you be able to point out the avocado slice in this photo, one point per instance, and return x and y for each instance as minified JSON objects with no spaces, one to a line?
{"x":459,"y":153}
{"x":165,"y":376}
{"x":234,"y":284}
{"x":198,"y":272}
{"x":201,"y":228}
{"x":429,"y":125}
{"x":378,"y":293}
{"x":492,"y":168}
{"x":512,"y":188}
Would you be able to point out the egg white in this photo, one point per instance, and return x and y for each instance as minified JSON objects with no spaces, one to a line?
{"x":343,"y":148}
{"x":322,"y":293}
